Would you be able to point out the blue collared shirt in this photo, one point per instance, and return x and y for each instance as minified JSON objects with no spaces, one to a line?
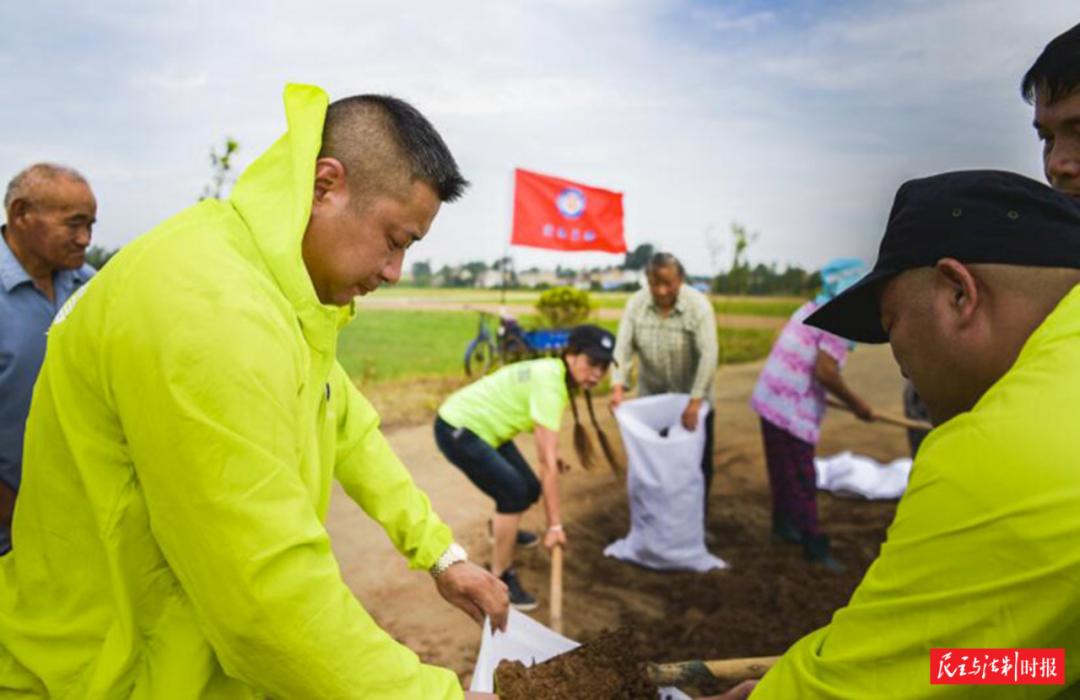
{"x":25,"y":316}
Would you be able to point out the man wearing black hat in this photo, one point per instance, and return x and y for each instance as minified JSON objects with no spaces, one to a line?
{"x":1052,"y":85}
{"x":974,"y":290}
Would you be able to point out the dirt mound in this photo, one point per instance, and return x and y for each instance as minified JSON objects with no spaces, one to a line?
{"x":768,"y":599}
{"x":606,"y":668}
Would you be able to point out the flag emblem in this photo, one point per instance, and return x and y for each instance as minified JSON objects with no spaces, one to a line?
{"x":571,"y":203}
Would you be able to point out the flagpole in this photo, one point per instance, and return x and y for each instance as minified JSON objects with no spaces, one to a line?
{"x":506,"y":249}
{"x":505,"y":275}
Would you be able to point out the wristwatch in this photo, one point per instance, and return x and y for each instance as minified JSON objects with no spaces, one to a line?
{"x":454,"y":554}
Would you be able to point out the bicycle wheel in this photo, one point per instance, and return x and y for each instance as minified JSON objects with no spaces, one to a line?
{"x":479,"y":357}
{"x":515,"y":348}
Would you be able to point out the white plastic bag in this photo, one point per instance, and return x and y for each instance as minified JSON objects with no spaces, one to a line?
{"x":529,"y":642}
{"x":525,"y":640}
{"x":666,"y":486}
{"x":851,"y":475}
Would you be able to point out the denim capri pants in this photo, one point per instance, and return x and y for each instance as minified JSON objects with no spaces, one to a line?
{"x":501,"y":473}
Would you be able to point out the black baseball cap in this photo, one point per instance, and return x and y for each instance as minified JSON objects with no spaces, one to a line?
{"x":594,"y":341}
{"x":974,"y":216}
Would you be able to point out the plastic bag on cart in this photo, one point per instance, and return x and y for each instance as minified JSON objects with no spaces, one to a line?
{"x":529,"y":642}
{"x":666,"y":486}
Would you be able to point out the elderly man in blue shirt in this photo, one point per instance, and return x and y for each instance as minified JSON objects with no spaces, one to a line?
{"x":50,"y":212}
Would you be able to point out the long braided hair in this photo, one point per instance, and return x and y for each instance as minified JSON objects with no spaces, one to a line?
{"x":582,"y":445}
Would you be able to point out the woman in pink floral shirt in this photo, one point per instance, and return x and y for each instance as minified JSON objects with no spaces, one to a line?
{"x":789,"y":396}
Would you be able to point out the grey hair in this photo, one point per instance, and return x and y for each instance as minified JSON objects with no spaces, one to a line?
{"x":21,"y":186}
{"x":659,"y":260}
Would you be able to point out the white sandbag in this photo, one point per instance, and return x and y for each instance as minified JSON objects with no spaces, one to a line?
{"x":529,"y":642}
{"x":851,"y":475}
{"x":666,"y":486}
{"x":525,"y":640}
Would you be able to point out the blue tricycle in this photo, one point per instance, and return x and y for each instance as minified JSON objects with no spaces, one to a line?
{"x":509,"y":343}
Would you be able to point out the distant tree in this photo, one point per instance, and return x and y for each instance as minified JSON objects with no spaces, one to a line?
{"x":759,"y":279}
{"x":221,"y":177}
{"x":97,"y":256}
{"x":475,"y":268}
{"x":444,"y":277}
{"x":421,"y":273}
{"x":768,"y":280}
{"x":505,"y":266}
{"x":639,"y":258}
{"x":737,"y":279}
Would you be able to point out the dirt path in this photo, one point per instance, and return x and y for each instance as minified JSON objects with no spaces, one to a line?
{"x":765,"y":602}
{"x":518,"y":310}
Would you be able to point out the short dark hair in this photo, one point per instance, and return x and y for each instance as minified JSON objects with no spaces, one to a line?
{"x":379,"y":138}
{"x":659,"y":260}
{"x":1056,"y":70}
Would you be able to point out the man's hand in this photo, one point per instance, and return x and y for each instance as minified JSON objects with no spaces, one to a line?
{"x":690,"y":415}
{"x":475,"y":591}
{"x":740,"y":692}
{"x":555,"y":535}
{"x":617,"y":396}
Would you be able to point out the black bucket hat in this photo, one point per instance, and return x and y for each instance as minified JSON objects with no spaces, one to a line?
{"x":974,"y":216}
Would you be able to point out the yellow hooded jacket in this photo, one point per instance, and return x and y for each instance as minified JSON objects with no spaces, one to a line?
{"x":984,"y":552}
{"x":184,"y":431}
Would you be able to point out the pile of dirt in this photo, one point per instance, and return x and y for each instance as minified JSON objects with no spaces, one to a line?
{"x":606,"y":668}
{"x":767,"y":600}
{"x":770,"y":596}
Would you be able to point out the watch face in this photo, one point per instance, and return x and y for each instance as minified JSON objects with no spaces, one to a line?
{"x":458,"y":552}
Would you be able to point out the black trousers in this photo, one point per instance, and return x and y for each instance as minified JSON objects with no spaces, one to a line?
{"x":707,"y":457}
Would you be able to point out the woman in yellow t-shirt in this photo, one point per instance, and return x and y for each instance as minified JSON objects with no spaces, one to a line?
{"x":475,"y":429}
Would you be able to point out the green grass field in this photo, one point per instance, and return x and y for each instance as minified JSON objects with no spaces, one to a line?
{"x":383,"y":345}
{"x":389,"y":345}
{"x":774,"y":307}
{"x":781,"y":307}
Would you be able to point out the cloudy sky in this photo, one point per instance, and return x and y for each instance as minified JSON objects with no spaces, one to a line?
{"x":797,"y":118}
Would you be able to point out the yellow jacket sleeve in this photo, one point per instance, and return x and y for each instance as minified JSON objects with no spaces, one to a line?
{"x":375,"y":478}
{"x":981,"y":555}
{"x":207,"y":401}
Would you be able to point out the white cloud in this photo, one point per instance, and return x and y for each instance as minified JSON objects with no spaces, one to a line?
{"x":798,"y":123}
{"x":744,"y":23}
{"x":170,"y":81}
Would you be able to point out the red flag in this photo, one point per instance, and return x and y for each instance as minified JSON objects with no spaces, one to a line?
{"x":553,"y":213}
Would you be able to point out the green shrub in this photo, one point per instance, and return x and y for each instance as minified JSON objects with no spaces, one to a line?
{"x":562,"y":307}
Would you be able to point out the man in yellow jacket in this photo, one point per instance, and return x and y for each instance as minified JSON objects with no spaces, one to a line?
{"x":187,"y":424}
{"x":975,"y":288}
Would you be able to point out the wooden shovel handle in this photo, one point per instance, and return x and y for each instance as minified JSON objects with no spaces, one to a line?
{"x":884,"y":417}
{"x":556,"y":588}
{"x":696,"y":673}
